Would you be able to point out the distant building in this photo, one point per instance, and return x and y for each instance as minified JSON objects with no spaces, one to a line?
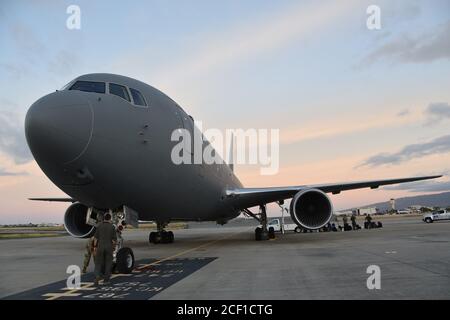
{"x":358,"y":211}
{"x":368,"y":210}
{"x":420,"y":208}
{"x":344,"y":212}
{"x":416,"y":208}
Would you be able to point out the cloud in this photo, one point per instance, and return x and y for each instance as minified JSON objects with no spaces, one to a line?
{"x":32,"y":52}
{"x":400,"y":12}
{"x":16,"y":71}
{"x":403,"y":113}
{"x":6,"y":173}
{"x":63,"y":63}
{"x":422,"y":186}
{"x":436,"y":146}
{"x":256,"y":37}
{"x":347,"y":125}
{"x":26,"y":45}
{"x":27,"y":42}
{"x":12,"y":137}
{"x":426,"y":47}
{"x":437,"y":112}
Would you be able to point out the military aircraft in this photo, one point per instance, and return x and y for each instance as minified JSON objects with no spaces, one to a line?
{"x":105,"y":140}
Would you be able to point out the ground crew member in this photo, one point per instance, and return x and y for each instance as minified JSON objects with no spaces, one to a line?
{"x":90,"y":247}
{"x":353,"y":219}
{"x":344,"y":219}
{"x":88,"y":253}
{"x":104,"y":243}
{"x":369,"y":221}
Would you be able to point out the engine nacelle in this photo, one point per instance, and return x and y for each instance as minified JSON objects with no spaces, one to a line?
{"x":75,"y":221}
{"x":311,"y":209}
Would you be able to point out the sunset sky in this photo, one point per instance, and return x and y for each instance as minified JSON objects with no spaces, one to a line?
{"x":351,"y":103}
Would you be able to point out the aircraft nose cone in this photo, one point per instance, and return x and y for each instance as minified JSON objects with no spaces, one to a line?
{"x":58,"y":127}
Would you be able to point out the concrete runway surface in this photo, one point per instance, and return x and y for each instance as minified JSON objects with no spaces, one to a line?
{"x":414,"y":259}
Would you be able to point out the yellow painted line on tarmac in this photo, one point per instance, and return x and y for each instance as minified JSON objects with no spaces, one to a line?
{"x":71,"y":292}
{"x":189,"y":250}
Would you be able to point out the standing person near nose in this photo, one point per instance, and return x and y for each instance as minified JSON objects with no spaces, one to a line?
{"x":104,"y":243}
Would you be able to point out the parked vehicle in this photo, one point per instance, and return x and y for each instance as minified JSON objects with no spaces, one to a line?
{"x":276,"y":225}
{"x":436,"y":216}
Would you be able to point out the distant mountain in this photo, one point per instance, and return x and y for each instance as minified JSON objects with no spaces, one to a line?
{"x":428,"y":200}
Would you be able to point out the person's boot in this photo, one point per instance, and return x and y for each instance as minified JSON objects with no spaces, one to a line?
{"x":97,"y":279}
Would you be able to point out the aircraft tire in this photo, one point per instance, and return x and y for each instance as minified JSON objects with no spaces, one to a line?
{"x":151,"y":237}
{"x":155,"y":237}
{"x":258,"y":232}
{"x":271,"y":233}
{"x":125,"y":260}
{"x":165,"y":237}
{"x":171,"y":236}
{"x":264,"y":235}
{"x":158,"y":237}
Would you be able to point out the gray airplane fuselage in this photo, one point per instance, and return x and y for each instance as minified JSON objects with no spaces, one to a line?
{"x":107,"y":152}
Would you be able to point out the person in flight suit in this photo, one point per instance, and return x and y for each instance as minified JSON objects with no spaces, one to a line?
{"x":344,"y":219}
{"x":104,"y":243}
{"x":345,"y":222}
{"x":369,"y":221}
{"x":353,"y":219}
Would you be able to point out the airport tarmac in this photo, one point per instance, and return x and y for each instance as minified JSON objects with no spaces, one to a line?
{"x":227,"y":263}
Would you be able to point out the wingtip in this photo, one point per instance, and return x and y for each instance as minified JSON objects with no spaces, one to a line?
{"x":430,"y":177}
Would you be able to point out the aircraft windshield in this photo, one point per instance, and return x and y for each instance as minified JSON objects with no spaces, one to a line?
{"x":138,"y":98}
{"x":89,"y":86}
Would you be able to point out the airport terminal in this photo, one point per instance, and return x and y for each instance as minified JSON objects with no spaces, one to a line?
{"x":224,"y":153}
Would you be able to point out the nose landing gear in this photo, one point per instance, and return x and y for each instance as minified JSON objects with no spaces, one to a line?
{"x":123,"y":257}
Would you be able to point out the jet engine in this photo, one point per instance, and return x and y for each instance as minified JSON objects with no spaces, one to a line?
{"x":311,"y":209}
{"x":75,"y":221}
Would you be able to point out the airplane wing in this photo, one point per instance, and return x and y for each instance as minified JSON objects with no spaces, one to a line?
{"x":54,"y":199}
{"x":249,"y":197}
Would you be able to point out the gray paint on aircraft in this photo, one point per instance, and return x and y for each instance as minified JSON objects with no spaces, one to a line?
{"x":106,"y":152}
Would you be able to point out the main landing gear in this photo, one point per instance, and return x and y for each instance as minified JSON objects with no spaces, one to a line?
{"x":161,"y":236}
{"x":262,"y":232}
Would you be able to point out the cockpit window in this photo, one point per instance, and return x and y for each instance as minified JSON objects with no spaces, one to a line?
{"x":67,"y":85}
{"x":138,"y":98}
{"x":119,"y":91}
{"x":89,"y":86}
